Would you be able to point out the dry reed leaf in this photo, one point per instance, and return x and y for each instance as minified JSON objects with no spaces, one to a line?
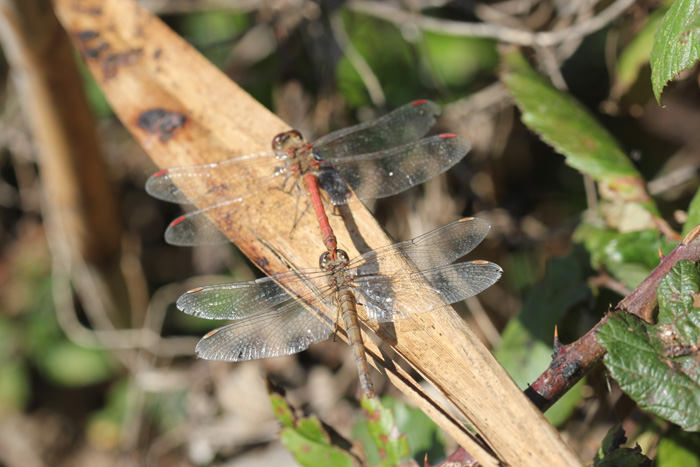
{"x":184,"y":111}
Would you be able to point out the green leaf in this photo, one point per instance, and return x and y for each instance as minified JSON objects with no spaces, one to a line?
{"x":658,"y":365}
{"x":676,"y":45}
{"x":637,"y":53}
{"x":693,"y":214}
{"x":678,"y":447}
{"x":394,"y":62}
{"x":460,"y":60}
{"x":310,"y":453}
{"x":562,"y":122}
{"x":612,"y":454}
{"x":526,"y":345}
{"x":392,"y":445}
{"x":423,"y":435}
{"x":282,"y":410}
{"x":104,"y":427}
{"x":73,"y":366}
{"x":629,"y":257}
{"x":15,"y":386}
{"x":306,"y":438}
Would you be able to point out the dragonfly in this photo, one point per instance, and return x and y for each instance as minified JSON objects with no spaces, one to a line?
{"x":283,"y":314}
{"x":375,"y":159}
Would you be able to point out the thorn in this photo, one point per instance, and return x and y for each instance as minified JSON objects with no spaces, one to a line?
{"x":661,"y":255}
{"x":556,"y":345}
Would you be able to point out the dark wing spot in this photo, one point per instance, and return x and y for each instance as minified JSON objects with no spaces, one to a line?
{"x":334,"y":184}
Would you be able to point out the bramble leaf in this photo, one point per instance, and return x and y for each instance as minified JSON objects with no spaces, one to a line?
{"x":658,"y":365}
{"x":676,"y":45}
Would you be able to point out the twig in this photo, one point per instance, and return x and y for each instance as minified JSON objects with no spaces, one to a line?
{"x":603,"y":280}
{"x":674,"y":178}
{"x":571,"y":362}
{"x":493,"y":31}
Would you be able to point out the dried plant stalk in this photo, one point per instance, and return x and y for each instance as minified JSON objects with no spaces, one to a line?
{"x":184,"y":111}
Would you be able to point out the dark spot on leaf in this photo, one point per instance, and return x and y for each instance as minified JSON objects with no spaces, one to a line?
{"x":157,"y":53}
{"x":161,"y":122}
{"x":87,"y":45}
{"x":87,"y":35}
{"x":262,"y":262}
{"x":679,"y":350}
{"x":112,"y":62}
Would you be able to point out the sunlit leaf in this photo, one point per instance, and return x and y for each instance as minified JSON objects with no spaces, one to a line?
{"x":305,"y":437}
{"x":658,"y":365}
{"x":423,"y":435}
{"x":676,"y":45}
{"x":390,"y":442}
{"x":565,"y":124}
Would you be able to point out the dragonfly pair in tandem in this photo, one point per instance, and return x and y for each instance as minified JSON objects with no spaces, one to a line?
{"x":285,"y":313}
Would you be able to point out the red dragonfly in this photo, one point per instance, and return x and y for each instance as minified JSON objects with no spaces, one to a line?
{"x":356,"y":157}
{"x":284,"y":313}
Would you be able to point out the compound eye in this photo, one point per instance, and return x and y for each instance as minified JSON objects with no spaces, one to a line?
{"x":343,"y":257}
{"x":278,"y":142}
{"x":323,"y":260}
{"x":287,"y":141}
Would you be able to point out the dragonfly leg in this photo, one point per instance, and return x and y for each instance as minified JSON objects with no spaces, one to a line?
{"x":298,"y":213}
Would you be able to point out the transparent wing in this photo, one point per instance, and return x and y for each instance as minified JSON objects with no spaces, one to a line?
{"x":392,"y":171}
{"x":195,"y":228}
{"x":403,"y":125}
{"x":171,"y":184}
{"x":199,"y":227}
{"x":437,"y":248}
{"x":454,"y":282}
{"x":269,"y":321}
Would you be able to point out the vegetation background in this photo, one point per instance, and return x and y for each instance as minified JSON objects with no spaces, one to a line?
{"x":73,"y":391}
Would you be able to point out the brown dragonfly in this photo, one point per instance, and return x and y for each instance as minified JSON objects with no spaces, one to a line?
{"x":285,"y":313}
{"x":354,"y":158}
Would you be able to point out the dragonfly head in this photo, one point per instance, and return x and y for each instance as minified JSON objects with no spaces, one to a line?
{"x":288,"y":141}
{"x":329,"y":261}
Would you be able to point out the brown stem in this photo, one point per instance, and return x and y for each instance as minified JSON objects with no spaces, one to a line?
{"x":571,"y":362}
{"x":80,"y":209}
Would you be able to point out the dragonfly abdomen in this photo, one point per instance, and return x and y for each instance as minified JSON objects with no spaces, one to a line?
{"x":348,"y":309}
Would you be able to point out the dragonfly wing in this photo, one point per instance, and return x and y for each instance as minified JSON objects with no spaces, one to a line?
{"x":272,"y":334}
{"x":202,"y":182}
{"x":436,"y":248}
{"x":454,"y":282}
{"x":240,"y":300}
{"x":269,"y":320}
{"x":199,"y":227}
{"x":395,"y":170}
{"x":405,"y":124}
{"x":195,"y":229}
